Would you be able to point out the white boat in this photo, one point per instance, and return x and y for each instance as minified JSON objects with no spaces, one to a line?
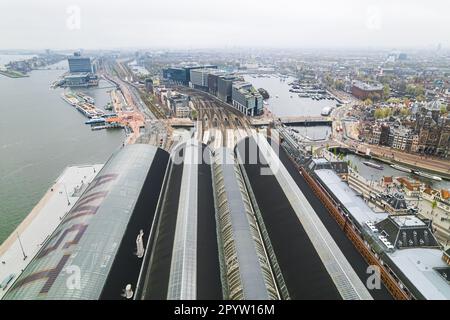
{"x":326,"y":111}
{"x":404,"y":169}
{"x":427,"y":175}
{"x":373,"y":165}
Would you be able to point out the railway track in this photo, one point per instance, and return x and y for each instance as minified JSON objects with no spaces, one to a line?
{"x":217,"y":118}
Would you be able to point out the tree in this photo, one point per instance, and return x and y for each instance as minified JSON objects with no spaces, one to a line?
{"x":368,"y":102}
{"x":378,"y":114}
{"x":433,"y":206}
{"x":393,"y":100}
{"x":419,"y":90}
{"x":404,"y":112}
{"x":386,"y":91}
{"x":386,"y":112}
{"x":420,"y":98}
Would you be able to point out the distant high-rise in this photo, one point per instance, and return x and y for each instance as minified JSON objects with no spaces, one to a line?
{"x":77,"y":63}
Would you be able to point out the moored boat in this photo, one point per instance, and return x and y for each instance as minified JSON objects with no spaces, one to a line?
{"x":404,"y":169}
{"x":373,"y":165}
{"x":427,"y":175}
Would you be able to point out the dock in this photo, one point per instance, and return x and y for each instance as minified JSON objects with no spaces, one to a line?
{"x":25,"y":241}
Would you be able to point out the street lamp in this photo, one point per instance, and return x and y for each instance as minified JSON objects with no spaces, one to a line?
{"x":21,"y":247}
{"x":67,"y":196}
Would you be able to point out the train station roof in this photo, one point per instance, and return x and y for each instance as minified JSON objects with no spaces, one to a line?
{"x":75,"y":261}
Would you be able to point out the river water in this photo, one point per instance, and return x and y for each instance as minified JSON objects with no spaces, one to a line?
{"x":40,"y":135}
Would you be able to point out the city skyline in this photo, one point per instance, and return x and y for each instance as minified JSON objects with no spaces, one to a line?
{"x":198,"y":24}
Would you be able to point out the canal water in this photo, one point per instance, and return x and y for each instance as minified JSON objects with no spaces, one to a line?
{"x":284,"y":105}
{"x":40,"y":135}
{"x":287,"y":103}
{"x":374,"y":174}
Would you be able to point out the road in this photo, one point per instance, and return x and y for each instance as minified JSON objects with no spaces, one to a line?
{"x":144,"y":126}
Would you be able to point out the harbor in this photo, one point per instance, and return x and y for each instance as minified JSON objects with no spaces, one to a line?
{"x":98,"y":119}
{"x":34,"y":155}
{"x":285,"y":103}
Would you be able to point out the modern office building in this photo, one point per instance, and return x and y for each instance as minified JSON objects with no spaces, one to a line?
{"x":182,"y":75}
{"x":189,"y":68}
{"x":224,"y":87}
{"x":199,"y":78}
{"x":176,"y":75}
{"x":246,"y":98}
{"x":77,"y":63}
{"x":213,"y":81}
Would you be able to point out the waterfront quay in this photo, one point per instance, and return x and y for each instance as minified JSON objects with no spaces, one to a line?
{"x":19,"y":249}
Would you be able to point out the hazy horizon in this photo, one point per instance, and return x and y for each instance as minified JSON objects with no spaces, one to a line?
{"x":203,"y":24}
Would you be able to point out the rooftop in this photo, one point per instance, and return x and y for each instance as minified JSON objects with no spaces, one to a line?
{"x":367,"y":86}
{"x":419,"y":266}
{"x":408,"y":221}
{"x":348,"y":197}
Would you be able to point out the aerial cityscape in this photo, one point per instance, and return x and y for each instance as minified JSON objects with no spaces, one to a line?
{"x":263,"y":167}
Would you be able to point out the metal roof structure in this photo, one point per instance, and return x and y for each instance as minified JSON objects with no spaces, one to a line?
{"x":84,"y":257}
{"x":307,"y":262}
{"x":184,"y":260}
{"x":245,"y":266}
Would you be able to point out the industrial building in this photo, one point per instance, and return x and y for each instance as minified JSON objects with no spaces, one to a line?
{"x":93,"y":253}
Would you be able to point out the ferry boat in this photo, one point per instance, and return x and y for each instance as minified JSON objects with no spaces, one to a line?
{"x":373,"y":165}
{"x":95,"y":120}
{"x":86,"y":98}
{"x":326,"y":111}
{"x":427,"y":175}
{"x":70,"y":99}
{"x":404,"y":169}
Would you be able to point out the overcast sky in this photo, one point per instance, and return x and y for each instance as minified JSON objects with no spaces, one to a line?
{"x":104,"y":24}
